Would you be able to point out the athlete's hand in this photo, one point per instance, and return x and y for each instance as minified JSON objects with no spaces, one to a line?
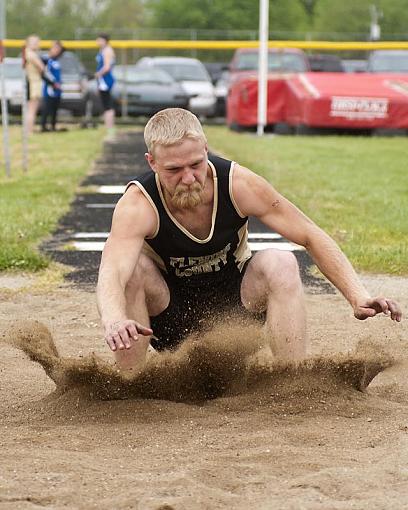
{"x":121,"y":334}
{"x":372,"y":306}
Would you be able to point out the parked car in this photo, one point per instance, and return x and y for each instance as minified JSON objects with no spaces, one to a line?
{"x":192,"y":76}
{"x":216,"y":70}
{"x":354,"y":65}
{"x":14,"y":83}
{"x":287,"y":60}
{"x":146,"y":90}
{"x":324,"y":63}
{"x":243,"y":84}
{"x":221,"y":92}
{"x":388,"y":61}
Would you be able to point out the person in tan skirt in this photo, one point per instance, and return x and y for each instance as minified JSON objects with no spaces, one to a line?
{"x":34,"y":68}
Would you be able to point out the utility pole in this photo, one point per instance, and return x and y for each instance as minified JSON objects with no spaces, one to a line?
{"x":375,"y":29}
{"x":263,"y":65}
{"x":4,"y":111}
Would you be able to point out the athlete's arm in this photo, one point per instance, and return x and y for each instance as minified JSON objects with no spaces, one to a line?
{"x":133,"y":220}
{"x":254,"y":196}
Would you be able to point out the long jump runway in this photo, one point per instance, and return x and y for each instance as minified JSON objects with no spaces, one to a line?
{"x":82,"y":232}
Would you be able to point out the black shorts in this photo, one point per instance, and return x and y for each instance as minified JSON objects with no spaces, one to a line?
{"x":106,"y":100}
{"x":196,"y":308}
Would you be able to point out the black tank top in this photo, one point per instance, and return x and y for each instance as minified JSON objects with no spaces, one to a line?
{"x":185,"y":258}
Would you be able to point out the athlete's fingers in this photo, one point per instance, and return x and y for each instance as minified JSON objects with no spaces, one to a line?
{"x":144,"y":331}
{"x":396,"y":313}
{"x":111,"y":343}
{"x":382,"y":304}
{"x":364,"y":313}
{"x":124,"y":336}
{"x":132,"y":331}
{"x":118,"y":341}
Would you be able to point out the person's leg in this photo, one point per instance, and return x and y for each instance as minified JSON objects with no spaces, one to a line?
{"x":45,"y":111}
{"x":147,"y":295}
{"x":272,"y":283}
{"x":54,"y":111}
{"x":32,"y":108}
{"x":109,"y":119}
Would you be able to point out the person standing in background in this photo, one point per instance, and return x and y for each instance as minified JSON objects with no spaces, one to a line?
{"x":52,"y":87}
{"x":34,"y":67}
{"x":105,"y":61}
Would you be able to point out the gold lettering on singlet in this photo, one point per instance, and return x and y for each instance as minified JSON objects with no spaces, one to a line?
{"x":188,"y":266}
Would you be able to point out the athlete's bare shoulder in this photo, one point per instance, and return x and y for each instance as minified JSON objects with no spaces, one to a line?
{"x":108,"y":51}
{"x":135,"y":214}
{"x":251,"y":192}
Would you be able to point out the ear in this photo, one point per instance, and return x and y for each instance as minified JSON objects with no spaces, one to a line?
{"x":149,"y":158}
{"x":206,"y":147}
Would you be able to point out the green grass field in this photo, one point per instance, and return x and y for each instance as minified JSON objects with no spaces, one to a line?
{"x":356,"y":188}
{"x":32,"y":203}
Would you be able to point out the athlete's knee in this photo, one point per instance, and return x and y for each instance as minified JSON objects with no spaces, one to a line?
{"x":280,"y":270}
{"x":138,"y":281}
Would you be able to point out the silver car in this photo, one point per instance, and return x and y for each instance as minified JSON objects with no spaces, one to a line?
{"x":14,"y":83}
{"x":192,"y":76}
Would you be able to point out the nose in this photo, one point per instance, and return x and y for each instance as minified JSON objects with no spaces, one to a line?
{"x":188,"y":177}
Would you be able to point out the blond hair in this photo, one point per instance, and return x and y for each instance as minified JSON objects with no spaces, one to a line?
{"x":171,"y":126}
{"x":33,"y":42}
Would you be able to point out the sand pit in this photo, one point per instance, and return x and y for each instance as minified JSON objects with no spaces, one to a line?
{"x":214,"y":425}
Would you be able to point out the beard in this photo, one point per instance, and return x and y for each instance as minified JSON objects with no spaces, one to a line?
{"x":187,"y":197}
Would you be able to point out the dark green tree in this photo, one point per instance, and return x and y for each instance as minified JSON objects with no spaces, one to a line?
{"x":24,"y":17}
{"x":351,"y":17}
{"x":225,"y":14}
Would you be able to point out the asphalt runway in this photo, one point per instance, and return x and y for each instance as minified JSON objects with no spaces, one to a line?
{"x":79,"y":237}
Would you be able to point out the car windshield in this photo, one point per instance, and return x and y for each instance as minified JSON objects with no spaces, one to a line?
{"x":185,"y":71}
{"x":13,"y":71}
{"x":389,"y":63}
{"x":131,"y":74}
{"x":276,"y":62}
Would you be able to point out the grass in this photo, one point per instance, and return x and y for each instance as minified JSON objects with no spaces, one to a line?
{"x":355,"y":188}
{"x":32,"y":203}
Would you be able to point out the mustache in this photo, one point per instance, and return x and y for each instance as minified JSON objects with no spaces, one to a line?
{"x":187,"y":197}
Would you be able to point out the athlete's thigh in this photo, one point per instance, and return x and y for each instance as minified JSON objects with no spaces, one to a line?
{"x":267,"y":270}
{"x":155,"y":288}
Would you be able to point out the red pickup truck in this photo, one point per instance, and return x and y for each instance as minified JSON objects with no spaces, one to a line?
{"x":243,"y":84}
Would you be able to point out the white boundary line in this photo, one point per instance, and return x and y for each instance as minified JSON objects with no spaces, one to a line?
{"x":104,"y":235}
{"x":111,"y":190}
{"x":284,"y":246}
{"x":100,"y":206}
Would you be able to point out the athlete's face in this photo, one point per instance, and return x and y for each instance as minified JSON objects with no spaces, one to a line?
{"x":182,"y":170}
{"x":101,"y":42}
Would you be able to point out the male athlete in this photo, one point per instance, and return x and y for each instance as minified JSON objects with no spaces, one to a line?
{"x":178,"y":252}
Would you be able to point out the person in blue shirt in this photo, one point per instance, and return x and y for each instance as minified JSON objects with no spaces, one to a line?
{"x":51,"y":87}
{"x":105,"y":61}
